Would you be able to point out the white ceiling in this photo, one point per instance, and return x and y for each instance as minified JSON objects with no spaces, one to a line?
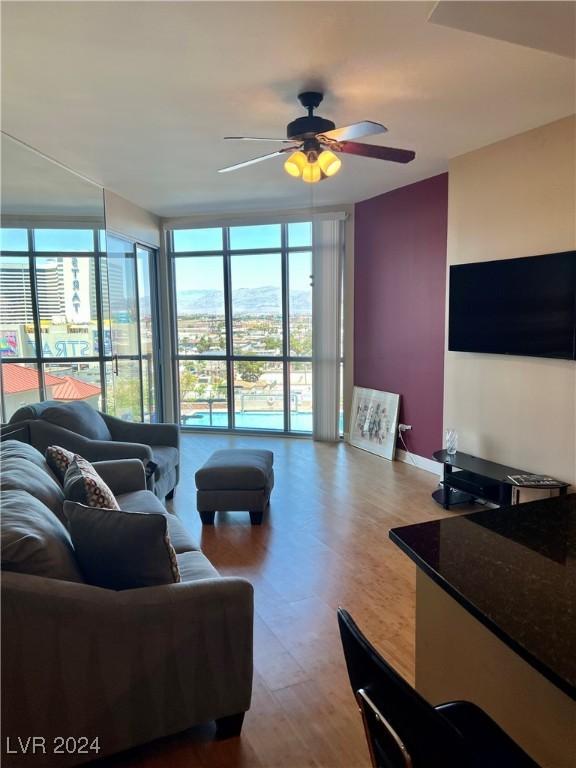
{"x":138,"y":95}
{"x":548,"y":26}
{"x":34,"y":186}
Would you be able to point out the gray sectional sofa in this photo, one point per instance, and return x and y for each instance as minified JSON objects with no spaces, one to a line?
{"x":97,"y":436}
{"x":121,"y":667}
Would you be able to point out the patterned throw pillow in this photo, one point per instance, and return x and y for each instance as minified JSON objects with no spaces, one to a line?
{"x":83,"y":484}
{"x":59,"y":460}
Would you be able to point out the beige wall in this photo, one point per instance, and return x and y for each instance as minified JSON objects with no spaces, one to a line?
{"x":511,"y":199}
{"x":125,"y":218}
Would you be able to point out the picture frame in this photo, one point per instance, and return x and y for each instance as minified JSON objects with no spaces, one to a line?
{"x":374,"y":421}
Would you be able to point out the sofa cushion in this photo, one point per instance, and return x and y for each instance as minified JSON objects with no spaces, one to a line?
{"x":146,"y":501}
{"x":181,"y":539}
{"x":235,"y":469}
{"x":140,"y":501}
{"x":83,"y":484}
{"x":33,"y":540}
{"x":20,"y":470}
{"x":166,"y":457}
{"x":194,"y":566}
{"x":59,"y":460}
{"x":121,"y":550}
{"x":78,"y":417}
{"x":24,"y":452}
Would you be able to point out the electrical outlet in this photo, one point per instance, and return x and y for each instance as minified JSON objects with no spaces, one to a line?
{"x":404,"y":427}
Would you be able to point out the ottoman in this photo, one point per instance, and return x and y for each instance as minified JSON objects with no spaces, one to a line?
{"x":238,"y":479}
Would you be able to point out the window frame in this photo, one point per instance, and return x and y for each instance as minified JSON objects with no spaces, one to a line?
{"x":284,"y":358}
{"x":99,"y":258}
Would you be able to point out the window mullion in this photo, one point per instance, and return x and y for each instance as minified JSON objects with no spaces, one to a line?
{"x":100,"y":325}
{"x":285,"y":327}
{"x":36,"y":314}
{"x":174,"y":342}
{"x":138,"y":327}
{"x":228,"y":323}
{"x":3,"y":413}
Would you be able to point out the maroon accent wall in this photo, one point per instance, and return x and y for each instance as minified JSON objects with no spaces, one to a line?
{"x":399,"y":303}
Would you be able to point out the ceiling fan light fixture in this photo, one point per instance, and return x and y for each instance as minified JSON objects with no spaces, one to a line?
{"x":312,"y":173}
{"x":295,"y":164}
{"x":329,"y":163}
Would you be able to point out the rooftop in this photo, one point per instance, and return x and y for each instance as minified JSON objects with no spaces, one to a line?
{"x":20,"y":378}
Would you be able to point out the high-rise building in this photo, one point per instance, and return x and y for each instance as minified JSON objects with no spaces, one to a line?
{"x":15,"y":294}
{"x":65,"y":288}
{"x":15,"y":291}
{"x":79,"y":289}
{"x":50,"y":288}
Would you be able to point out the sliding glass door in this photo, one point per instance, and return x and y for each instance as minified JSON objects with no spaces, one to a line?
{"x":148,"y":330}
{"x":128,"y":324}
{"x":243,"y":316}
{"x":123,"y":379}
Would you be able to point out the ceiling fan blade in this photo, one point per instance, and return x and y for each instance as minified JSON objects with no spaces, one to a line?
{"x":255,"y":160}
{"x":256,"y":138}
{"x":355,"y":131}
{"x":392,"y":154}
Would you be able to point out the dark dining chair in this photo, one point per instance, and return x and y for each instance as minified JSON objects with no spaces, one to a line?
{"x":404,"y":731}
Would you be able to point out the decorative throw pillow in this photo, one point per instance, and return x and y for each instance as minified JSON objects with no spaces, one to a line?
{"x":122,"y":550}
{"x":59,"y":459}
{"x":83,"y":484}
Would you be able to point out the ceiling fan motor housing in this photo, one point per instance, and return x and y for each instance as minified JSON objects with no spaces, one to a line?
{"x":306,"y":127}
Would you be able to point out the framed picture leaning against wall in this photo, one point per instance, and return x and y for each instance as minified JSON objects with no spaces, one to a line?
{"x":374,"y":421}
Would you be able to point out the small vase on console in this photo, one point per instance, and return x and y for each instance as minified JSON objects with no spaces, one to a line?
{"x":451,"y":441}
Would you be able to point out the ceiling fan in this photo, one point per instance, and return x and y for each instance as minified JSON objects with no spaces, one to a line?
{"x":314,"y":140}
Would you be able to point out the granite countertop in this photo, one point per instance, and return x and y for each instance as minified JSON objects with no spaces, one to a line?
{"x":514,"y":569}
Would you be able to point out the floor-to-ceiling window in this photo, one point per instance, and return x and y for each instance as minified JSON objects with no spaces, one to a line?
{"x":76,"y":321}
{"x":148,"y":331}
{"x":243,"y":318}
{"x":128,"y":298}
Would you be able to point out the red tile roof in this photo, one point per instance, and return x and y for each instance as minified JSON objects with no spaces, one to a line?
{"x":74,"y":389}
{"x":18,"y":378}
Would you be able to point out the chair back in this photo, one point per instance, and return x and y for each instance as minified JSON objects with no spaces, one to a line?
{"x":402,"y":729}
{"x":32,"y":411}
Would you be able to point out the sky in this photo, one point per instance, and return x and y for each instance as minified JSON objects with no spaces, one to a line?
{"x":248,"y":270}
{"x":61,"y":240}
{"x":202,"y":272}
{"x":260,"y":236}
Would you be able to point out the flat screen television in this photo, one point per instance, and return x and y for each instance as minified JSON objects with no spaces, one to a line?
{"x":523,"y":306}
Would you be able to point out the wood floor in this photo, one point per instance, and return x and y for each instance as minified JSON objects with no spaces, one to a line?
{"x":324,"y":543}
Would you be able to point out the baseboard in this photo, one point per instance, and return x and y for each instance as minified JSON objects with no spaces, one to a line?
{"x":429,"y":465}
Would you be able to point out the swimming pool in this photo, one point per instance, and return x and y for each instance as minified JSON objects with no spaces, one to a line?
{"x":299,"y":422}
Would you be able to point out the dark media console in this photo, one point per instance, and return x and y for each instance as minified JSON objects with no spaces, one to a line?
{"x":477,"y":479}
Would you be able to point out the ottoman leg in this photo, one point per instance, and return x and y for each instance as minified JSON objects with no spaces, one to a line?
{"x":256,"y":518}
{"x":207,"y":518}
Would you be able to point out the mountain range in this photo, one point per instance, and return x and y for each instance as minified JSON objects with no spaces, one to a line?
{"x":266,"y":300}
